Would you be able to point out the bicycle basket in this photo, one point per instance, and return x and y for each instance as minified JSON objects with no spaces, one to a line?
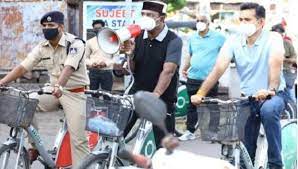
{"x":16,"y":110}
{"x":223,"y":122}
{"x":107,"y":117}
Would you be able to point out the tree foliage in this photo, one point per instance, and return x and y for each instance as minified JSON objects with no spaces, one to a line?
{"x":174,"y":5}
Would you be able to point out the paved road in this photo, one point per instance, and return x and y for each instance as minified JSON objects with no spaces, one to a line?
{"x":49,"y":126}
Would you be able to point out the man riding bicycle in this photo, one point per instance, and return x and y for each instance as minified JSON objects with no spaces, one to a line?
{"x":63,"y":56}
{"x":258,"y":55}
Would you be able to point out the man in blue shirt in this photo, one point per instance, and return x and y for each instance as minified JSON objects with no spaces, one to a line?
{"x":258,"y":56}
{"x":204,"y":46}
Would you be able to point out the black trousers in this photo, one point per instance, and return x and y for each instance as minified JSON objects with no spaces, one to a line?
{"x":158,"y":133}
{"x":193,"y":86}
{"x":101,"y":78}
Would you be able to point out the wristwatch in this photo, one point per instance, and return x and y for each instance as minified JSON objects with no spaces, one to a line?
{"x":59,"y":87}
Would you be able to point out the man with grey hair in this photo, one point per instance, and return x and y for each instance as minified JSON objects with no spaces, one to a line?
{"x":204,"y":46}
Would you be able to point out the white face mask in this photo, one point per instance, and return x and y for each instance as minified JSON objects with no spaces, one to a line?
{"x":146,"y":23}
{"x":201,"y":26}
{"x":247,"y":29}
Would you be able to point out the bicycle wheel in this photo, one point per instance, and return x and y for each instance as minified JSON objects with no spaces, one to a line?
{"x":8,"y":156}
{"x":98,"y":161}
{"x":291,"y":109}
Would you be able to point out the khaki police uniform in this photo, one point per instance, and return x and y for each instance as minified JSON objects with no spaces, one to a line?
{"x":73,"y":99}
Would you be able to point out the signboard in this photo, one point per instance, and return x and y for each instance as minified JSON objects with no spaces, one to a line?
{"x":115,"y":14}
{"x":20,"y":28}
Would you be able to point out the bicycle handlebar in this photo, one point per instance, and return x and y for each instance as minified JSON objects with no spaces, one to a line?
{"x":108,"y":94}
{"x":217,"y":100}
{"x":6,"y":88}
{"x":42,"y":91}
{"x":39,"y":91}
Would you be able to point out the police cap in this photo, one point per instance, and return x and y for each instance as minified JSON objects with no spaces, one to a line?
{"x":53,"y":16}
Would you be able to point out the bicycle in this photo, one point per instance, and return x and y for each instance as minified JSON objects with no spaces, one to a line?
{"x":168,"y":157}
{"x":290,"y":109}
{"x":17,"y":111}
{"x":109,"y":118}
{"x":229,"y":131}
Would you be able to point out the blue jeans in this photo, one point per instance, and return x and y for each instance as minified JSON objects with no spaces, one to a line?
{"x":290,"y":81}
{"x":268,"y":113}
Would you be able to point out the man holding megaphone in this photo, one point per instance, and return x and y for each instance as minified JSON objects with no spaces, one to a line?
{"x":155,"y":58}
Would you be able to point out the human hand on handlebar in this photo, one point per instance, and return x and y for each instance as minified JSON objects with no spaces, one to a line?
{"x":2,"y":83}
{"x":196,"y":99}
{"x":264,"y":94}
{"x":57,"y":92}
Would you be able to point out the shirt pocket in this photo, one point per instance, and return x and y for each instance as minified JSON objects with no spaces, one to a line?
{"x":47,"y":62}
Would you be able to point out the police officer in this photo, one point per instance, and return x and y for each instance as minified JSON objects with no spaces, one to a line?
{"x":63,"y":56}
{"x":155,"y":62}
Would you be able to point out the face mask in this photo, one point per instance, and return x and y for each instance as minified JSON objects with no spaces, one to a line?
{"x":247,"y":29}
{"x":201,"y":26}
{"x":158,"y":22}
{"x":146,"y":23}
{"x":50,"y":33}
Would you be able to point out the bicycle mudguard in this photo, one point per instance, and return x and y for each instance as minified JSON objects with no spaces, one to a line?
{"x":63,"y":158}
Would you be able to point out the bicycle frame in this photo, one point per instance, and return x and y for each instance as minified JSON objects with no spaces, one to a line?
{"x":33,"y":133}
{"x":145,"y":144}
{"x":61,"y":147}
{"x":232,"y":151}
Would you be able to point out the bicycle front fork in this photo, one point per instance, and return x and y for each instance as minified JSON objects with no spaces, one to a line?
{"x":237,"y":155}
{"x":231,"y":154}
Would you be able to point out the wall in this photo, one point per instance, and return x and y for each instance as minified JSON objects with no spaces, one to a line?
{"x":20,"y":28}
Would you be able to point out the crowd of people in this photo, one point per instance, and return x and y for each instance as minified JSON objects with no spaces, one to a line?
{"x":265,"y":62}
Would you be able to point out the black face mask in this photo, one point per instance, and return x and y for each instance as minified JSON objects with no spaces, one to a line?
{"x":50,"y":33}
